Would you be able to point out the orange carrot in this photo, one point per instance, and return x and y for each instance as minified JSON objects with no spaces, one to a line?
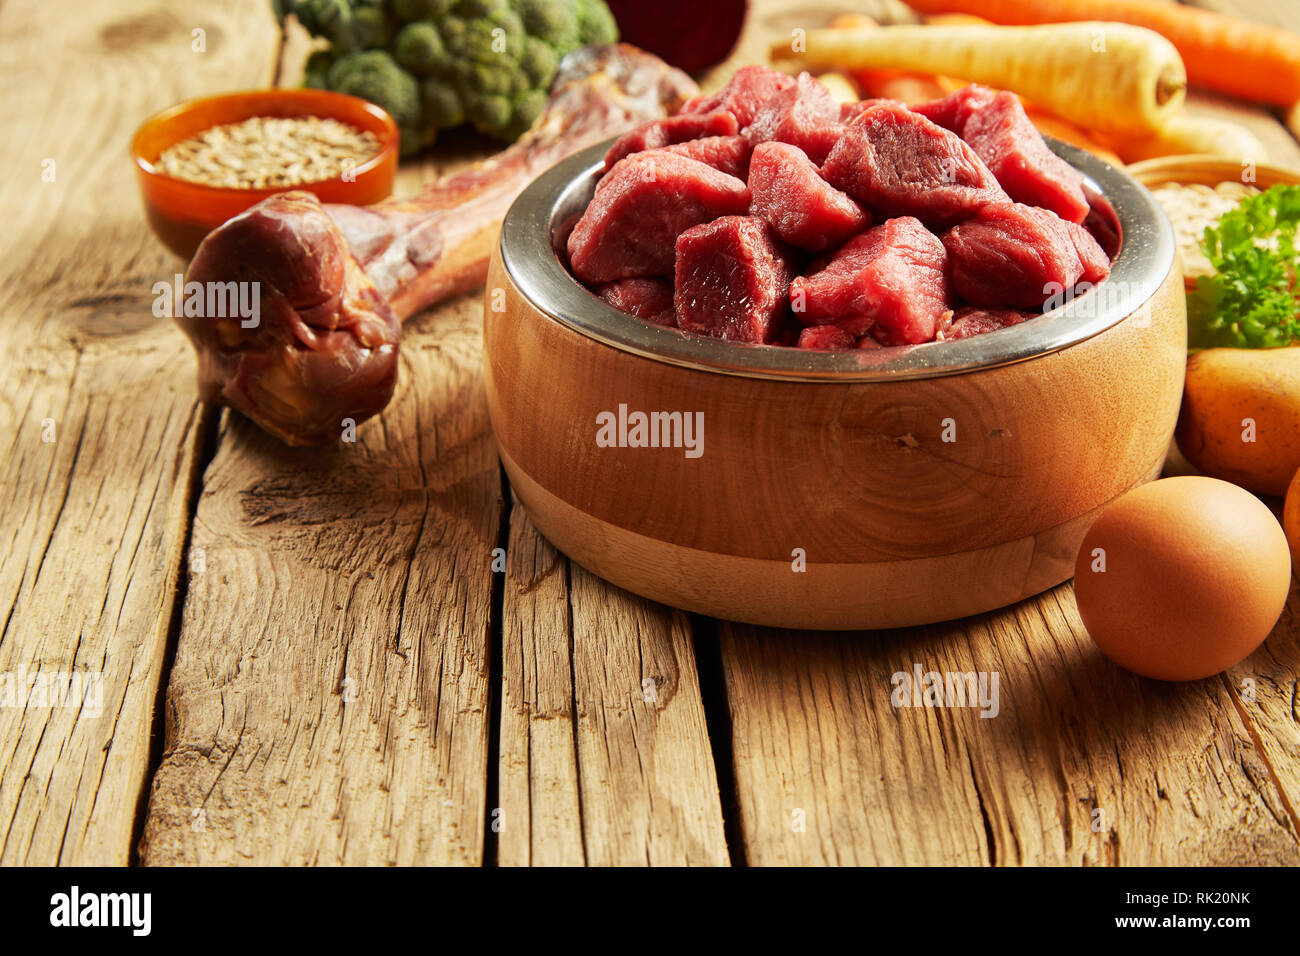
{"x":1235,"y":56}
{"x":1049,"y":124}
{"x":910,"y":88}
{"x":955,"y":19}
{"x":851,"y":21}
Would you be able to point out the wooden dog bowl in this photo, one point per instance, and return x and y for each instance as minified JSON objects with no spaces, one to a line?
{"x":861,"y":489}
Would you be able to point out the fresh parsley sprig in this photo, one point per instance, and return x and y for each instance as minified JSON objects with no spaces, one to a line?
{"x":1252,"y":300}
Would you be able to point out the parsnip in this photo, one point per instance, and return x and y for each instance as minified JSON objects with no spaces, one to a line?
{"x":841,"y":87}
{"x":1109,"y":77}
{"x":1195,"y":134}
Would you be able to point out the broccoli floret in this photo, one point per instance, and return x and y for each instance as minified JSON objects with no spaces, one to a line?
{"x":507,"y":33}
{"x":418,"y":48}
{"x":331,"y":19}
{"x":483,"y":78}
{"x":552,"y":21}
{"x":316,"y":68}
{"x":349,"y":25}
{"x":487,"y":111}
{"x":443,"y":107}
{"x":538,"y":63}
{"x":375,"y":76}
{"x":408,"y":11}
{"x":528,"y":107}
{"x":371,"y":28}
{"x":485,"y":42}
{"x":473,"y":9}
{"x":596,"y":25}
{"x":484,"y":63}
{"x":444,"y":63}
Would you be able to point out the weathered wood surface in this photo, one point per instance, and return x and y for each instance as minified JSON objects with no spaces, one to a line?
{"x":1082,"y":763}
{"x":329,"y":701}
{"x":540,"y":802}
{"x":98,"y":416}
{"x":604,"y":750}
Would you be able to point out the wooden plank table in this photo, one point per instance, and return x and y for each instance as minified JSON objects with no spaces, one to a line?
{"x":306,"y":656}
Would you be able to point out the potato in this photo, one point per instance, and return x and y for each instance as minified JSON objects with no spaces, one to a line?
{"x":1240,"y":419}
{"x":1291,"y":521}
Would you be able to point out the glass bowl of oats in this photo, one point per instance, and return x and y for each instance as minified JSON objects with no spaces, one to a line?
{"x":202,"y":162}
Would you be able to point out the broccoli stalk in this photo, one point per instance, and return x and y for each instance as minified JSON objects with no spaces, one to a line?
{"x":438,"y":64}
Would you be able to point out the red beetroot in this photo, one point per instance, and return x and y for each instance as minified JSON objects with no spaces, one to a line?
{"x":889,"y":280}
{"x":640,"y":208}
{"x":802,"y":208}
{"x":1015,"y":255}
{"x":732,"y":280}
{"x":898,"y":163}
{"x":646,"y":298}
{"x":690,"y":36}
{"x":803,"y":115}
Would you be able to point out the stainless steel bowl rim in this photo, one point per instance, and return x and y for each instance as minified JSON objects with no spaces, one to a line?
{"x":535,"y":221}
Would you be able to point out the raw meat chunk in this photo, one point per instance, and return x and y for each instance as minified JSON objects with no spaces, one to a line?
{"x":750,"y":88}
{"x":952,"y":111}
{"x":1096,"y":264}
{"x":976,"y":320}
{"x":666,"y":132}
{"x":851,"y":111}
{"x":732,"y":280}
{"x":889,"y":280}
{"x":802,"y":208}
{"x":826,"y":338}
{"x":787,"y":337}
{"x":707,"y":221}
{"x":1102,"y":223}
{"x":898,"y":163}
{"x":804,"y":115}
{"x":727,"y":153}
{"x":1003,"y":136}
{"x":996,"y":127}
{"x":646,"y":298}
{"x":1016,"y":255}
{"x":640,"y":208}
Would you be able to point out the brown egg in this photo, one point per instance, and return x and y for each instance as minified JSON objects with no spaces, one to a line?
{"x":1182,"y":578}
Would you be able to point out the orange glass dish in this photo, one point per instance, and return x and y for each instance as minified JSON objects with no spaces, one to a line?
{"x":182,"y":213}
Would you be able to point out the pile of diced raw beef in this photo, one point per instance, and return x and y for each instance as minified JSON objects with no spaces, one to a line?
{"x":769,"y":213}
